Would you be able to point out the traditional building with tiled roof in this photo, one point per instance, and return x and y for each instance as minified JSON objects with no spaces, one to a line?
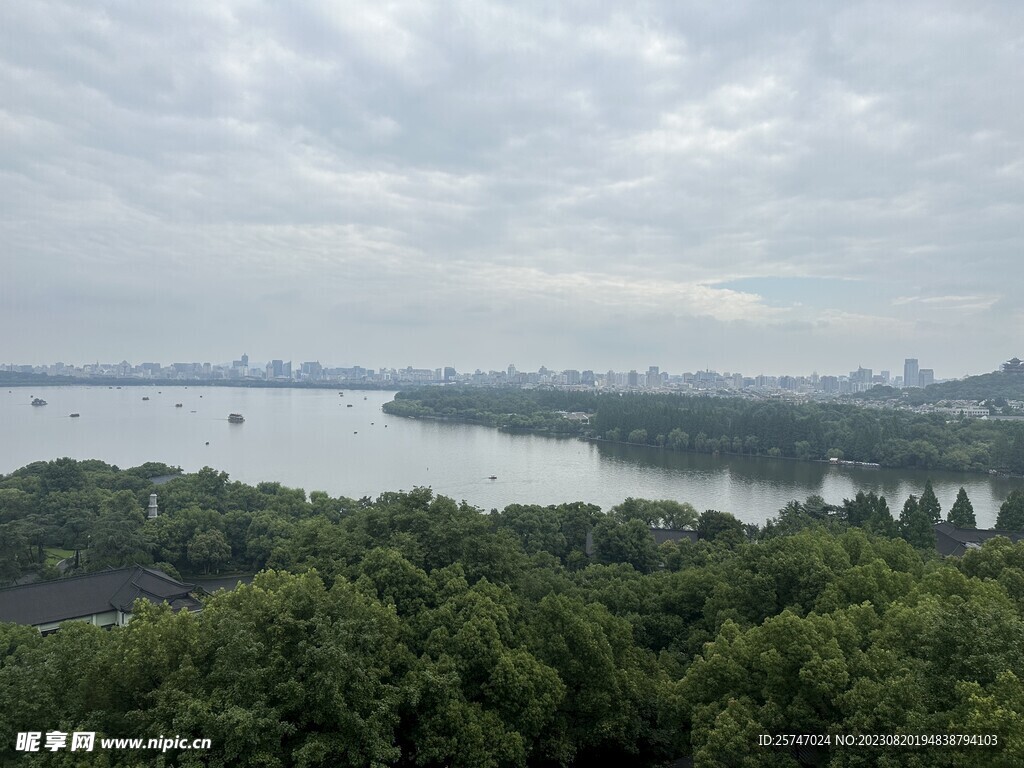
{"x":951,"y":541}
{"x":104,"y":599}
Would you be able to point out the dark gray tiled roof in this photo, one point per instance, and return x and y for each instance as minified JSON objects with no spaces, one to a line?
{"x":661,"y":535}
{"x":953,"y":541}
{"x":211,"y":585}
{"x":49,"y":601}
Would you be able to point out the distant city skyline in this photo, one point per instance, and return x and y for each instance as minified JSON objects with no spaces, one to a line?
{"x":912,"y":373}
{"x":673,"y":184}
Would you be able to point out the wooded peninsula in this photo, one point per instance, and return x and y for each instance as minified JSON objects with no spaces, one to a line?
{"x":809,"y":431}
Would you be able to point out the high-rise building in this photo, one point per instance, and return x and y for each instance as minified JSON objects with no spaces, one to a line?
{"x":861,"y":379}
{"x":910,"y":372}
{"x":925,"y":376}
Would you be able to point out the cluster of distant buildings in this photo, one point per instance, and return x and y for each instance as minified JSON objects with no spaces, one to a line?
{"x":282,"y":371}
{"x":864,"y":379}
{"x":914,"y":376}
{"x":653,"y":379}
{"x":240,"y":371}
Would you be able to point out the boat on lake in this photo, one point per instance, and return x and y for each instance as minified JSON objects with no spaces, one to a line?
{"x":235,"y":418}
{"x":75,"y":415}
{"x":38,"y":401}
{"x":178,"y":405}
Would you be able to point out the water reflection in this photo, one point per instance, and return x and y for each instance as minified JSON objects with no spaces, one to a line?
{"x":749,"y":483}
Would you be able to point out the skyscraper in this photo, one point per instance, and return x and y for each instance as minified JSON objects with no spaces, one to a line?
{"x":910,"y":373}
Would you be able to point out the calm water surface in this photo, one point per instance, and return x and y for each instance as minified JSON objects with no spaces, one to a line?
{"x":310,"y":439}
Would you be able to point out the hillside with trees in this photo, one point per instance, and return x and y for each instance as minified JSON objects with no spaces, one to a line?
{"x":988,"y":387}
{"x":409,"y":630}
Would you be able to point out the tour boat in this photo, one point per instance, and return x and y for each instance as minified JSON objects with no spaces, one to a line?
{"x":38,"y":401}
{"x":235,"y":418}
{"x":75,"y":415}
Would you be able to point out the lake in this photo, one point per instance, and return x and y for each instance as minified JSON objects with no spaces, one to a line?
{"x":311,"y":439}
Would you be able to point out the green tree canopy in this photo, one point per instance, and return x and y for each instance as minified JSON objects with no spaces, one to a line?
{"x":1011,"y":512}
{"x":720,"y":526}
{"x":916,"y":526}
{"x":663,"y":513}
{"x":625,"y":542}
{"x":961,"y":514}
{"x":930,"y":504}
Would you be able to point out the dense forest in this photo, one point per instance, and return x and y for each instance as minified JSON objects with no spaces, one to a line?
{"x":409,"y":630}
{"x":733,"y":425}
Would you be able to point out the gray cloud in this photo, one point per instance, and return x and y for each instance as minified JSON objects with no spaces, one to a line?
{"x":470,"y":182}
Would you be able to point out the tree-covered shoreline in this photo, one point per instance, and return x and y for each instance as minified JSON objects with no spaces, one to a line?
{"x":808,"y":431}
{"x":410,"y":630}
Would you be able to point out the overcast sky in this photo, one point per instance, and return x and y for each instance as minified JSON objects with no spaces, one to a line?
{"x":754,"y":187}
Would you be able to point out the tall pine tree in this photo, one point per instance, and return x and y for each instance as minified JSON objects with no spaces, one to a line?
{"x":915,"y":527}
{"x":1011,"y":513}
{"x":930,"y":504}
{"x":961,"y":514}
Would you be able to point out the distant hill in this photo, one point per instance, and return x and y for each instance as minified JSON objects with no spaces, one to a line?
{"x":988,"y":386}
